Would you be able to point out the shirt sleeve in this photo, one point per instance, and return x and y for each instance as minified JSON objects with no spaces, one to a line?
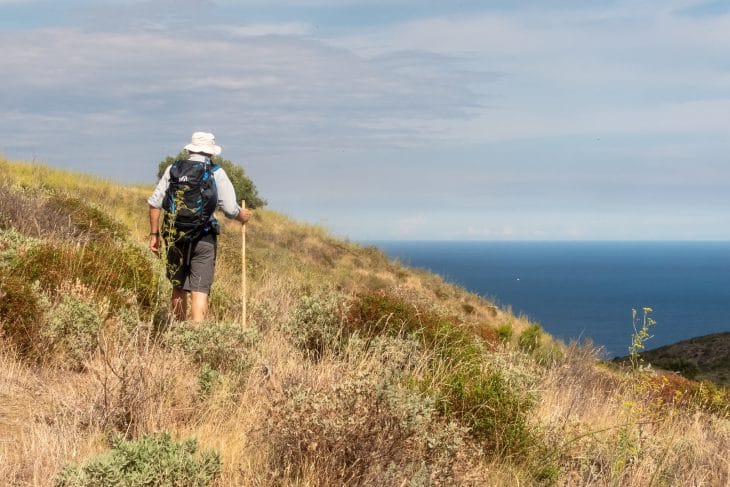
{"x":226,"y":194}
{"x":158,"y":194}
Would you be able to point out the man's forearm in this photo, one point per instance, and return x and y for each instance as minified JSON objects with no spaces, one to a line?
{"x":154,"y":219}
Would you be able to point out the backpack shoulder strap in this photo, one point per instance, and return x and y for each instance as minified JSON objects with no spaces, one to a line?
{"x":215,"y":168}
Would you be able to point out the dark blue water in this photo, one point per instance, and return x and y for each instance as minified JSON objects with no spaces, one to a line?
{"x":577,"y":290}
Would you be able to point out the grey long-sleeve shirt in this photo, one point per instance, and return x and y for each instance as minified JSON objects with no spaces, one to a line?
{"x":226,"y":194}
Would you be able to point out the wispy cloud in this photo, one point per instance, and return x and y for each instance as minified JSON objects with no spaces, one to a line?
{"x":498,"y":112}
{"x":311,"y":92}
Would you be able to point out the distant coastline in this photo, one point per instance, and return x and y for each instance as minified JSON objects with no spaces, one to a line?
{"x":702,"y":358}
{"x":586,"y":289}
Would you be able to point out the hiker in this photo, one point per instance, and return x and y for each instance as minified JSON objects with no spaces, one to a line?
{"x":190,"y":196}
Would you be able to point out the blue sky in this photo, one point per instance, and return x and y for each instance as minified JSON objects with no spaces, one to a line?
{"x":396,"y":119}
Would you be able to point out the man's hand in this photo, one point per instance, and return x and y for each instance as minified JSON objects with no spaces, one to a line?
{"x":244,"y":215}
{"x":155,"y":243}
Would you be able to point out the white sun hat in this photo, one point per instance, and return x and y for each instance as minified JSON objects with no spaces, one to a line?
{"x":203,"y":142}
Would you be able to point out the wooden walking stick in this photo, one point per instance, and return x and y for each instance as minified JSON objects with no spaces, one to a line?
{"x":243,"y":268}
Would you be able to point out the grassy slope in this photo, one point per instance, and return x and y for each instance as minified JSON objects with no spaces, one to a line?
{"x":359,"y":370}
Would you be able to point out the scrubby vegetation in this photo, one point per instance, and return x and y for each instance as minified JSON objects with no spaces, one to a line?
{"x":355,"y":370}
{"x":150,"y":460}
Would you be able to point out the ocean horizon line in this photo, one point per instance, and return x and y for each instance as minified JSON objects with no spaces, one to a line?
{"x":436,"y":240}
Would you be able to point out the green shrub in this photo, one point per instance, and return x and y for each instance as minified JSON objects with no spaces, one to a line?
{"x":684,"y":366}
{"x":152,"y":460}
{"x":208,"y":377}
{"x":494,"y":409}
{"x":530,"y":337}
{"x":316,"y":324}
{"x":505,"y":332}
{"x":223,"y":346}
{"x":74,"y":329}
{"x":547,"y":474}
{"x":119,"y":272}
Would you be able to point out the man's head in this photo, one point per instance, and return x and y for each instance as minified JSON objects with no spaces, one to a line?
{"x":203,"y":143}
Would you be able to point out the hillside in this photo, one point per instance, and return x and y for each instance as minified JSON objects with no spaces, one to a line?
{"x":706,"y":357}
{"x":353,"y":370}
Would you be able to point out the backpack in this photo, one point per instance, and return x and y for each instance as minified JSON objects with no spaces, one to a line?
{"x":190,"y":201}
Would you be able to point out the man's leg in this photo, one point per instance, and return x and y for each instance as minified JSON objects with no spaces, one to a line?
{"x":180,"y":304}
{"x":198,"y":306}
{"x":202,"y":269}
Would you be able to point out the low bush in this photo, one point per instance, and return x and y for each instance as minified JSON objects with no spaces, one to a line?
{"x":456,"y":377}
{"x":710,"y":397}
{"x":119,"y":272}
{"x":364,"y":430}
{"x":74,"y":330}
{"x":529,"y":340}
{"x":208,"y":377}
{"x":494,"y":409}
{"x":155,"y":459}
{"x":505,"y":332}
{"x":223,"y":346}
{"x":139,"y":386}
{"x":316,"y":323}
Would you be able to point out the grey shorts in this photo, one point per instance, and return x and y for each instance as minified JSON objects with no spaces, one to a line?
{"x":198,"y":274}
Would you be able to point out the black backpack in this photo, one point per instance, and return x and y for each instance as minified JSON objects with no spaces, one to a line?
{"x":190,"y":200}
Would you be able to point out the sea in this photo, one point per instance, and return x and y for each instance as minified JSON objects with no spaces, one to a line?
{"x":587,"y":290}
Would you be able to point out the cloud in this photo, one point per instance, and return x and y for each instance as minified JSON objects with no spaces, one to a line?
{"x":281,"y":91}
{"x":457,"y":79}
{"x":623,"y":69}
{"x":277,"y":29}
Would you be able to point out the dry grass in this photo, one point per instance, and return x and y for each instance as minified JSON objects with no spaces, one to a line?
{"x":40,"y":427}
{"x":611,"y":428}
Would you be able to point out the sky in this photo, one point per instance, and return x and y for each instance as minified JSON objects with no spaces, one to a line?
{"x":396,"y":119}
